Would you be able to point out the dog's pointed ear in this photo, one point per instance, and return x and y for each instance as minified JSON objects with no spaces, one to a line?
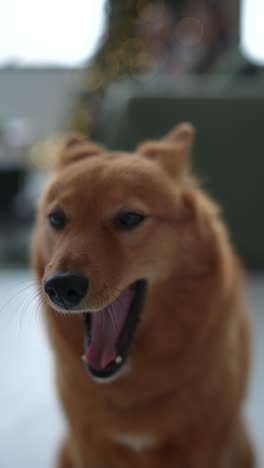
{"x":172,"y":151}
{"x":183,"y":133}
{"x":60,"y":150}
{"x":75,"y":148}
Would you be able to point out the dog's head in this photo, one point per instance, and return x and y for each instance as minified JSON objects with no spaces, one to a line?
{"x":111,"y":226}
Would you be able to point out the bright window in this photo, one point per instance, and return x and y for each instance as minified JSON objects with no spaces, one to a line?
{"x":252,"y":37}
{"x":49,"y":32}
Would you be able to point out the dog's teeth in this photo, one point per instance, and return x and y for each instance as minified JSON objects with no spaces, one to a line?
{"x":118,"y":360}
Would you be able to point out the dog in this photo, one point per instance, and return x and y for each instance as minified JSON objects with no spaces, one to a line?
{"x":142,"y":295}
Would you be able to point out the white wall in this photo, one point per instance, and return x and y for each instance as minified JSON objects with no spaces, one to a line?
{"x":43,"y":96}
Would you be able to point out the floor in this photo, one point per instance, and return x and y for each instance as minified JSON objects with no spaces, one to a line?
{"x":31,"y":425}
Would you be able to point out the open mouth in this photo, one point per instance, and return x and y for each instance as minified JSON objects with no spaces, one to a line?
{"x":109,"y":332}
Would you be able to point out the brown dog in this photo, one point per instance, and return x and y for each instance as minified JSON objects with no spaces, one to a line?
{"x":137,"y":261}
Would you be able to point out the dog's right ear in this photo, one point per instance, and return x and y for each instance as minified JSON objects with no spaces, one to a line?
{"x":75,"y":148}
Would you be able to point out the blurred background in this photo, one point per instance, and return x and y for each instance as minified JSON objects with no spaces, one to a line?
{"x":121,"y":71}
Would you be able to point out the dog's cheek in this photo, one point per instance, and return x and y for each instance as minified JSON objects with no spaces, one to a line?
{"x":158,"y":254}
{"x":46,"y":242}
{"x":137,"y":256}
{"x":41,"y":250}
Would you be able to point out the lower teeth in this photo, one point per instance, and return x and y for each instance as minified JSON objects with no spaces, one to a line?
{"x":118,"y":359}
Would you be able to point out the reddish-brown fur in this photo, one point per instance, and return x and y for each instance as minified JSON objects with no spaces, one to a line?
{"x":189,"y":361}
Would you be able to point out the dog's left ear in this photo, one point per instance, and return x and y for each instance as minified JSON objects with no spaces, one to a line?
{"x":172,"y":151}
{"x":75,"y":148}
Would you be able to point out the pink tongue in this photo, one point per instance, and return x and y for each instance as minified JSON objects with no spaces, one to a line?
{"x":107,"y":325}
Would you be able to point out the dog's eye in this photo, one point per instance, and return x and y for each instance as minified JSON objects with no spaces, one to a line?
{"x":128,"y":220}
{"x":57,"y":219}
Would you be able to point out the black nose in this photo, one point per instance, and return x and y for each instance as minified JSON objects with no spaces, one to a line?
{"x":66,"y":289}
